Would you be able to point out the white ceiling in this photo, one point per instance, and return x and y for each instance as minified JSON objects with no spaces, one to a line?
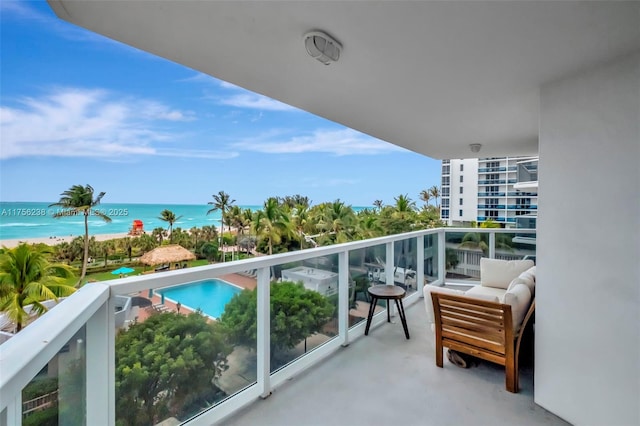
{"x":432,"y":77}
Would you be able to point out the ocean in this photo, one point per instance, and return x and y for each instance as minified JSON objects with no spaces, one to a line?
{"x":35,"y":220}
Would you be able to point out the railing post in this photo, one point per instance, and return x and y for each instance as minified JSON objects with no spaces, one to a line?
{"x":263,"y":339}
{"x":492,"y":244}
{"x":12,"y":415}
{"x":420,"y":264}
{"x":388,"y":273}
{"x":389,"y":265}
{"x":100,"y":365}
{"x":442,"y":254}
{"x":343,"y":297}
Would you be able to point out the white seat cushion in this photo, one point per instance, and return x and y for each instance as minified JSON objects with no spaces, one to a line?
{"x":519,"y":297}
{"x":499,"y":273}
{"x":481,"y":292}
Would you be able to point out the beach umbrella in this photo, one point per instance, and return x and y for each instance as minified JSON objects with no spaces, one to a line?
{"x":122,"y":270}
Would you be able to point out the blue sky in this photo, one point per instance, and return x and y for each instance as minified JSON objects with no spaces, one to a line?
{"x":78,"y":108}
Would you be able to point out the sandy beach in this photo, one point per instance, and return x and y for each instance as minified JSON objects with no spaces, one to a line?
{"x":52,"y":241}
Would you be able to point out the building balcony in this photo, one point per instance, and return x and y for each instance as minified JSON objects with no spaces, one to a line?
{"x":76,"y":342}
{"x":491,"y":182}
{"x":491,"y":206}
{"x":491,"y":194}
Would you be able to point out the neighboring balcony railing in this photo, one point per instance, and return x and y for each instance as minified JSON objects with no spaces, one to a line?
{"x":77,"y":338}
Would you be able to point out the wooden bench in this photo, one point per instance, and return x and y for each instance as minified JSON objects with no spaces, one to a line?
{"x":479,"y":328}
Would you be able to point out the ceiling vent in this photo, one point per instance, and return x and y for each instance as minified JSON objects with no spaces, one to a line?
{"x":322,"y":47}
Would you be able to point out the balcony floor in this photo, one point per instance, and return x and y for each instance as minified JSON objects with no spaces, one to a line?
{"x":383,"y":379}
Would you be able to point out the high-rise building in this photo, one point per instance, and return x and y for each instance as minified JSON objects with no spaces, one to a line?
{"x":502,"y":189}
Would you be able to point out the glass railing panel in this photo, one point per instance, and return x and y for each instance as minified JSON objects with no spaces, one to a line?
{"x":430,"y":260}
{"x":56,"y":395}
{"x":182,"y":349}
{"x":463,"y":251}
{"x":515,"y":246}
{"x":304,"y":308}
{"x":366,"y":268}
{"x":404,"y":264}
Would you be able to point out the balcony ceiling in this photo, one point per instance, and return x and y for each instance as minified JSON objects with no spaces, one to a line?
{"x":432,"y":77}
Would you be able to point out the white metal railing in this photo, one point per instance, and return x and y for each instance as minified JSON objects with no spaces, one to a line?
{"x":24,"y":355}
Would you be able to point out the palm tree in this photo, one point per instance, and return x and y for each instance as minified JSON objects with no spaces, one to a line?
{"x":158,"y":234}
{"x":80,"y":200}
{"x":271,"y":223}
{"x":425,"y":195}
{"x":338,"y":220}
{"x":106,"y":248}
{"x":435,"y":193}
{"x":378,"y":204}
{"x":222,"y":202}
{"x":171,"y":218}
{"x":28,"y":278}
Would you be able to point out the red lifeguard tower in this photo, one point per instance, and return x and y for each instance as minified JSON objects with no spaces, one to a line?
{"x":137,"y":228}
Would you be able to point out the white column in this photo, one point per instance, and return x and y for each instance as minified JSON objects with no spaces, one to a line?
{"x":587,"y":278}
{"x":263,"y":339}
{"x":442,"y":273}
{"x":420,"y":264}
{"x":492,"y":245}
{"x":100,"y":368}
{"x":12,"y":415}
{"x":343,"y":297}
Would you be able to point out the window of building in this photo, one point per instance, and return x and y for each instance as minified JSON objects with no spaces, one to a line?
{"x":445,"y":180}
{"x":462,"y":167}
{"x":445,"y":202}
{"x":445,"y":214}
{"x":461,"y":190}
{"x":460,"y":212}
{"x":461,"y":178}
{"x":460,"y":201}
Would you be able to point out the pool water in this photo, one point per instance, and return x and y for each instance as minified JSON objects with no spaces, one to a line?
{"x":210,"y":296}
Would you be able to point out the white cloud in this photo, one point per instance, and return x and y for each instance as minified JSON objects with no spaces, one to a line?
{"x":338,"y":142}
{"x":91,"y":123}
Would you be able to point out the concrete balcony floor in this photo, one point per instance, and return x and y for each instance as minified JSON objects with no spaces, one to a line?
{"x":384,"y":379}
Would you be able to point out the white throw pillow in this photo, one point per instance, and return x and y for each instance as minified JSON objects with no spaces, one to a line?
{"x":519,"y":297}
{"x":530,"y":277}
{"x":499,"y":273}
{"x":428,"y":303}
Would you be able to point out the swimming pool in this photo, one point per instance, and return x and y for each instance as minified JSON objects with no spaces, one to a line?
{"x":210,"y":296}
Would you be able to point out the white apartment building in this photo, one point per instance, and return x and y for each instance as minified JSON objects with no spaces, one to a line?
{"x":502,"y":189}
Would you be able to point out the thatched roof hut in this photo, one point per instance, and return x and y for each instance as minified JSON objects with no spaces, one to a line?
{"x":167,"y":254}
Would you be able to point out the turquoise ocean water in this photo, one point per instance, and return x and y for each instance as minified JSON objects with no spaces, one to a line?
{"x":35,"y":220}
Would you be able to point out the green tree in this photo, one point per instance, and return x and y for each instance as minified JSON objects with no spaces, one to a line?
{"x":166,"y":364}
{"x":435,"y":193}
{"x":223,"y":202}
{"x":296,"y":313}
{"x":145,"y":243}
{"x":378,"y":204}
{"x":106,"y":248}
{"x":159,"y":234}
{"x":425,"y":195}
{"x":272,"y":223}
{"x":28,"y":278}
{"x":336,"y":222}
{"x":171,"y":218}
{"x":209,"y":250}
{"x":80,"y":200}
